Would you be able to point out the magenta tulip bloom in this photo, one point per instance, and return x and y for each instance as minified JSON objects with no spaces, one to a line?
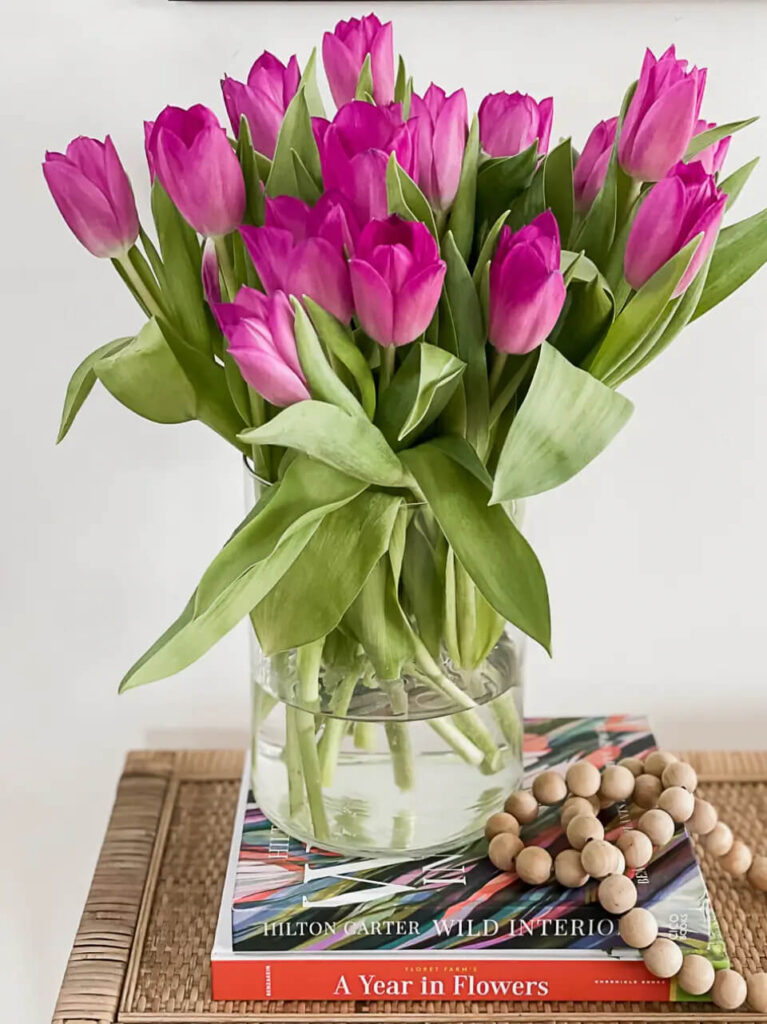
{"x":713,"y":156}
{"x":661,"y":117}
{"x":441,"y":125}
{"x":591,"y":169}
{"x":300,"y":251}
{"x":355,"y":148}
{"x":397,"y":279}
{"x":263,"y":99}
{"x":684,"y":205}
{"x":344,"y":51}
{"x":93,"y":194}
{"x":509,"y":123}
{"x":259,"y":331}
{"x":527,"y":290}
{"x":189,"y":152}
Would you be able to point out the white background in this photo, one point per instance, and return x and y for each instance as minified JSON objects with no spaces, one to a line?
{"x":655,"y":555}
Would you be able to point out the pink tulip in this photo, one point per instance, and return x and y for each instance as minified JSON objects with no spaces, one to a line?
{"x":211,"y":282}
{"x":263,"y":99}
{"x":259,"y":330}
{"x":683,"y":205}
{"x":189,"y":152}
{"x":509,"y":123}
{"x":396,"y":279}
{"x":440,"y":137}
{"x":300,"y":251}
{"x":354,"y":150}
{"x":713,"y":156}
{"x":591,"y":169}
{"x":661,"y":117}
{"x":93,"y":194}
{"x":344,"y":51}
{"x":527,"y":290}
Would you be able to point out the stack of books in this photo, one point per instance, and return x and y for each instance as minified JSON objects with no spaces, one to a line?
{"x":302,"y":923}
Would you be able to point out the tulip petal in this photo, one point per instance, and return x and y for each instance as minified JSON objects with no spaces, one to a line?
{"x":267,"y":374}
{"x":269,"y":248}
{"x":317,"y":269}
{"x":382,"y":64}
{"x":85,"y":208}
{"x":341,"y":68}
{"x":653,"y":240}
{"x":415,"y":303}
{"x":373,"y":302}
{"x":665,"y":132}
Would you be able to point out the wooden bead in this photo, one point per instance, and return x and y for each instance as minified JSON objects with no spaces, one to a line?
{"x":677,"y":802}
{"x":549,"y":788}
{"x":598,"y":858}
{"x":655,"y":763}
{"x":574,"y":806}
{"x":680,"y":773}
{"x":729,"y":990}
{"x":583,"y":779}
{"x":738,"y":860}
{"x":534,"y":865}
{"x":620,"y":862}
{"x":569,"y":870}
{"x":703,"y":818}
{"x":501,"y":822}
{"x":503,"y":849}
{"x":617,"y":783}
{"x":636,"y":847}
{"x":719,"y":840}
{"x":523,"y":806}
{"x":658,"y":825}
{"x":757,"y":992}
{"x":638,"y":928}
{"x":647,"y":789}
{"x":663,"y":958}
{"x":634,"y":765}
{"x":584,"y":828}
{"x":617,"y":894}
{"x":696,"y":975}
{"x":757,"y":874}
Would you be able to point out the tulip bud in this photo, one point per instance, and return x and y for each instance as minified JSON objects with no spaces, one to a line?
{"x":509,"y":123}
{"x":713,"y":156}
{"x":300,"y":251}
{"x":396,"y":277}
{"x":591,"y":169}
{"x":263,"y":100}
{"x":527,"y":290}
{"x":344,"y":51}
{"x":440,"y":137}
{"x":191,"y":156}
{"x":683,"y":205}
{"x":354,"y":151}
{"x":259,"y":331}
{"x":661,"y":117}
{"x":91,"y":189}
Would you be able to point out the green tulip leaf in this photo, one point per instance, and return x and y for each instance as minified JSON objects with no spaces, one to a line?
{"x":310,"y":87}
{"x":349,"y":443}
{"x":487,"y":251}
{"x":566,"y":419}
{"x":733,"y":185}
{"x":405,"y":198}
{"x":740,"y":251}
{"x":460,"y":221}
{"x":376,"y":620}
{"x":500,"y":180}
{"x":307,"y":188}
{"x":254,"y":192}
{"x":81,"y":383}
{"x":705,"y":139}
{"x":488,"y":545}
{"x":323,"y":381}
{"x":295,"y":134}
{"x":558,"y":186}
{"x":365,"y":81}
{"x":338,"y":340}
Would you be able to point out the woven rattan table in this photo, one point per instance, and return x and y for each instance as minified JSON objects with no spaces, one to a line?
{"x":141,"y":952}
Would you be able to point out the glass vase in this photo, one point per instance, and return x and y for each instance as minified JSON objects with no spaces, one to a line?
{"x":355,"y":761}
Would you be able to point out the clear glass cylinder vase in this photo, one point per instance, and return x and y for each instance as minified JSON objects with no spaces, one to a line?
{"x":353,"y":759}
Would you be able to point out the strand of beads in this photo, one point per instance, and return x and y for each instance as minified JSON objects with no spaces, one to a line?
{"x":661,"y":790}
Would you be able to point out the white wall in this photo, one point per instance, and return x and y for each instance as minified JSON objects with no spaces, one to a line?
{"x":655,"y":555}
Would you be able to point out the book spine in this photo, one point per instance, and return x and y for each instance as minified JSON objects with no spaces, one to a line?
{"x":429,"y":979}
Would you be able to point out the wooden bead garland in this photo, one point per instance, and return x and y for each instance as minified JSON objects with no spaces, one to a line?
{"x":661,"y":788}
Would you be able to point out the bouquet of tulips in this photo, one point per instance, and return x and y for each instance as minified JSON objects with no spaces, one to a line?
{"x":407,"y":320}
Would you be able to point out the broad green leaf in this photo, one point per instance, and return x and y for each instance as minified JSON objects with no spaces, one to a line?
{"x":423,"y":584}
{"x":566,"y":419}
{"x":323,"y":381}
{"x":740,"y":251}
{"x":314,"y":594}
{"x":472,"y":626}
{"x":350,"y":443}
{"x":558,"y":186}
{"x":295,"y":134}
{"x":487,"y":543}
{"x":365,"y":80}
{"x":307,"y":188}
{"x":338,"y":339}
{"x":460,"y":220}
{"x":81,"y":384}
{"x":419,"y":391}
{"x":376,"y":620}
{"x":254,"y":190}
{"x":145,"y":376}
{"x":529,"y":204}
{"x":311,"y":90}
{"x":705,"y":139}
{"x":405,"y":198}
{"x":733,"y":185}
{"x":500,"y":180}
{"x":487,"y":251}
{"x":586,"y":318}
{"x":459,"y":451}
{"x":641,"y":315}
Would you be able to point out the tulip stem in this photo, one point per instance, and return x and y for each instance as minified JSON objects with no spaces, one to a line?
{"x":388,"y":356}
{"x":499,"y":363}
{"x":226,"y":267}
{"x":138,"y":286}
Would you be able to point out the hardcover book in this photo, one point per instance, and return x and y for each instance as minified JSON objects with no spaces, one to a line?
{"x":303,"y":923}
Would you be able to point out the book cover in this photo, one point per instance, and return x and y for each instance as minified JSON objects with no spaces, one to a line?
{"x":453,"y":926}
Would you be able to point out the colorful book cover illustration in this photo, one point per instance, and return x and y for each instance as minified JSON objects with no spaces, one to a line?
{"x":353,"y":923}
